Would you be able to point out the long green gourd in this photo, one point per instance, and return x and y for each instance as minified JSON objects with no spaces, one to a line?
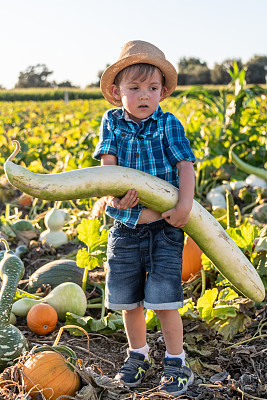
{"x":153,"y":193}
{"x":249,"y":169}
{"x":12,"y":342}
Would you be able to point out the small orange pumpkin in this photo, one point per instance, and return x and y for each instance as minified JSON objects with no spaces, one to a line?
{"x":48,"y":372}
{"x":192,"y":262}
{"x":24,"y":200}
{"x":42,"y":319}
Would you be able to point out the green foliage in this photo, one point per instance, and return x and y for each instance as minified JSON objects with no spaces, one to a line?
{"x":46,"y":94}
{"x":96,"y":241}
{"x":244,"y":236}
{"x":108,"y":324}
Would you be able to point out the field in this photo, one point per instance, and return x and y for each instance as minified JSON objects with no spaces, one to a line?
{"x":224,"y":332}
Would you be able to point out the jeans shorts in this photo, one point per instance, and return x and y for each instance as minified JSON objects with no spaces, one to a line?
{"x":144,"y":267}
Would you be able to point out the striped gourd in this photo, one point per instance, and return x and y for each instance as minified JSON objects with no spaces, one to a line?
{"x":12,"y":342}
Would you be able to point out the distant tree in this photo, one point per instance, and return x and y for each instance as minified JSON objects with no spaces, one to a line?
{"x":256,"y":70}
{"x":2,"y":87}
{"x":220,"y":75}
{"x":34,"y":76}
{"x":191,"y":71}
{"x":66,"y":84}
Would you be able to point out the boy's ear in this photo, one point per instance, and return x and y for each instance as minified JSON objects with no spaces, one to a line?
{"x":115,"y":92}
{"x":163,"y":91}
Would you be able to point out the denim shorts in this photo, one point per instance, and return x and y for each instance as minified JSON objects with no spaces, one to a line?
{"x":144,"y":267}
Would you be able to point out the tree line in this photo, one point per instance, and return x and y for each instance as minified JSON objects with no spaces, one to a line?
{"x":191,"y":71}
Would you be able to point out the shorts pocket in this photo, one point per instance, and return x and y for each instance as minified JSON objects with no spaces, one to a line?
{"x":173,"y":235}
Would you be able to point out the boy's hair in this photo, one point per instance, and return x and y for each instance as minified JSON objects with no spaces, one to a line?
{"x":138,"y":71}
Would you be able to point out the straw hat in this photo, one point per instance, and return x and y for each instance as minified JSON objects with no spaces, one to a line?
{"x":136,"y":52}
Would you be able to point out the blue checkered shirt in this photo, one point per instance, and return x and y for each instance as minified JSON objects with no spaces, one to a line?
{"x":154,"y":147}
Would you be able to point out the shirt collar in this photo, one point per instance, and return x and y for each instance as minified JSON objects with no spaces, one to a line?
{"x":120,"y":114}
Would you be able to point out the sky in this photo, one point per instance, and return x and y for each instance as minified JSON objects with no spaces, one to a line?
{"x":77,"y":38}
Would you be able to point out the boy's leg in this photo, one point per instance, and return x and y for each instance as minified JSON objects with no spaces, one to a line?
{"x":135,"y":327}
{"x":138,"y":360}
{"x":172,"y":329}
{"x":177,"y":374}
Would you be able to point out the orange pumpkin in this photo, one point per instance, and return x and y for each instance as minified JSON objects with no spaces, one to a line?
{"x":48,"y":372}
{"x":192,"y":262}
{"x":24,"y":200}
{"x":42,"y":319}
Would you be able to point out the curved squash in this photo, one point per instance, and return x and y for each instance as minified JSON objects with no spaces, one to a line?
{"x":153,"y":193}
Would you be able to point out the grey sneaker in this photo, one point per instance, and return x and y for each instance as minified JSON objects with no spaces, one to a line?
{"x":134,"y":369}
{"x":176,"y":377}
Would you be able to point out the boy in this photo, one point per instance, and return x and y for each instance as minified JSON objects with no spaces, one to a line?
{"x":144,"y":247}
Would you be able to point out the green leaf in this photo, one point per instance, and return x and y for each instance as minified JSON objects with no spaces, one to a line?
{"x":227,"y":294}
{"x":205,"y":304}
{"x":225,"y":311}
{"x":188,"y":306}
{"x":152,"y":320}
{"x":232,"y":326}
{"x":108,"y":324}
{"x":88,"y":231}
{"x":86,"y":260}
{"x":244,"y":236}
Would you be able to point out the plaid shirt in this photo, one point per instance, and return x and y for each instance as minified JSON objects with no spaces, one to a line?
{"x":154,"y":147}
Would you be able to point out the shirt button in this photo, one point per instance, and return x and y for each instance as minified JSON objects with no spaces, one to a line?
{"x":136,"y":154}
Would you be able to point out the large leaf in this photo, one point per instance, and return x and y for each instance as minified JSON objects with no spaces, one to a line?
{"x":108,"y":324}
{"x":244,"y":236}
{"x":205,"y":304}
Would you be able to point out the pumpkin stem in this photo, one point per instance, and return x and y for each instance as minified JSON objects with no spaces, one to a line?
{"x":68,"y":327}
{"x":15,"y":152}
{"x":71,"y":361}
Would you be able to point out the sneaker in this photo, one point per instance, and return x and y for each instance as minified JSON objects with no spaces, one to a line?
{"x":134,"y":369}
{"x":176,"y":377}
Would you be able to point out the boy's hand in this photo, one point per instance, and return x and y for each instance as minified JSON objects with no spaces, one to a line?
{"x":127,"y":201}
{"x":177,"y":216}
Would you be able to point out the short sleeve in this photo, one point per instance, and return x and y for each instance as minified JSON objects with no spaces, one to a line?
{"x":177,"y":146}
{"x":107,"y":141}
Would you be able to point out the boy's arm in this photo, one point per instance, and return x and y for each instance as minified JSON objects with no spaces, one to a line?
{"x":130,"y":199}
{"x":179,"y":215}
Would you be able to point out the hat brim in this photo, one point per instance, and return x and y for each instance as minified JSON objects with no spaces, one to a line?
{"x":109,"y":75}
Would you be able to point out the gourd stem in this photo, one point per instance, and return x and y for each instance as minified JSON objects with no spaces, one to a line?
{"x":85,"y":273}
{"x":230,"y":210}
{"x":5,"y":243}
{"x":15,"y":152}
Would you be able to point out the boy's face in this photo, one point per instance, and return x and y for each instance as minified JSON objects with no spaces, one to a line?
{"x":140,"y":99}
